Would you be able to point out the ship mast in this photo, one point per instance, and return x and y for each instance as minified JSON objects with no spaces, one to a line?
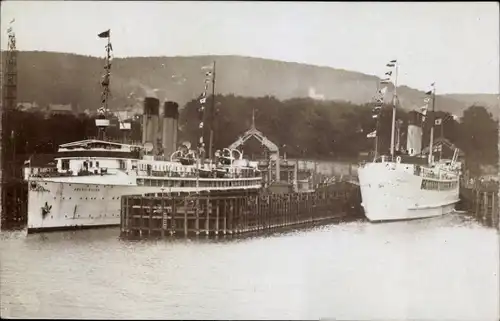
{"x":209,"y":77}
{"x":431,"y":118}
{"x":379,"y":100}
{"x":101,"y":121}
{"x":212,"y":113}
{"x":394,"y":63}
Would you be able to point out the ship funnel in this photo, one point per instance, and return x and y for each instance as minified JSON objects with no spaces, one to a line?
{"x":414,"y":137}
{"x":150,"y":120}
{"x":170,"y":127}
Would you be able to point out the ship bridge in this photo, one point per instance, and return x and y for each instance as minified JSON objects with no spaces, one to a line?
{"x":96,"y":144}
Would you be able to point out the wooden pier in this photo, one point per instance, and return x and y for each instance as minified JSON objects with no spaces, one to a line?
{"x":481,"y":202}
{"x":234,"y":213}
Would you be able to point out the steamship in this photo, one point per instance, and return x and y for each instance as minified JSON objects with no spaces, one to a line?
{"x":410,"y":185}
{"x":92,"y":175}
{"x":85,"y":191}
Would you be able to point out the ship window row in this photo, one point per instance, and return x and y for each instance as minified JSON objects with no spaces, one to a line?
{"x":168,"y":171}
{"x":164,"y":168}
{"x":170,"y":183}
{"x":437,"y":185}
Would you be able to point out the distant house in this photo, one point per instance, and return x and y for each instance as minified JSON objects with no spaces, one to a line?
{"x":28,"y":106}
{"x":39,"y":164}
{"x":124,"y":115}
{"x":54,"y":109}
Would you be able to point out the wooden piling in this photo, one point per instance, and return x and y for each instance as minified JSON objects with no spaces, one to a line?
{"x":231,"y":213}
{"x":481,"y":202}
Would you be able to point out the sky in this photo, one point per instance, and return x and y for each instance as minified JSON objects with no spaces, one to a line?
{"x":454,"y":44}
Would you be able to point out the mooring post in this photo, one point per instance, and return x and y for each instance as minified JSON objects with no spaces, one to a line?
{"x":225,"y":213}
{"x":151,"y":210}
{"x":173,"y":214}
{"x":142,"y":216}
{"x":164,"y":216}
{"x":496,"y":211}
{"x":231,"y":209}
{"x":123,"y":211}
{"x":208,"y":209}
{"x":217,"y":218}
{"x":197,"y":215}
{"x":484,"y":214}
{"x":477,"y":199}
{"x":185,"y":217}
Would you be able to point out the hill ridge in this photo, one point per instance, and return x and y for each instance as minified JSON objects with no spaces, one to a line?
{"x":54,"y":77}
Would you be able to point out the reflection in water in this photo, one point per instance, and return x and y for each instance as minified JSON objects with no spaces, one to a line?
{"x":443,"y":268}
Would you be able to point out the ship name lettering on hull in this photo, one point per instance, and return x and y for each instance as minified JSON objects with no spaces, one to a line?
{"x":79,"y":189}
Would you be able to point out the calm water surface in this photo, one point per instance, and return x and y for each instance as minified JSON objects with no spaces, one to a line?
{"x":444,"y":268}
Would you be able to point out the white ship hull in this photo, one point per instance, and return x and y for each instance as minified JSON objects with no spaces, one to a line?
{"x":86,"y":204}
{"x":391,"y":191}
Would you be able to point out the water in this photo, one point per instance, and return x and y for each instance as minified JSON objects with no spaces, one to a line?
{"x":444,"y":268}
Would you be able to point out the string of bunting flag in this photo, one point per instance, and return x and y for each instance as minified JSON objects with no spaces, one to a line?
{"x":427,"y":99}
{"x":201,"y":109}
{"x":379,"y":97}
{"x":12,"y":36}
{"x":107,"y":73}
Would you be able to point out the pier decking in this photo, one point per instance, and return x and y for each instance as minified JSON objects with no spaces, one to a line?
{"x":233,"y":213}
{"x":481,"y":202}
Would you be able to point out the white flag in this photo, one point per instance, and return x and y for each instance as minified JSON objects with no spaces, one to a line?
{"x":203,"y":100}
{"x":372,"y":134}
{"x":207,"y":67}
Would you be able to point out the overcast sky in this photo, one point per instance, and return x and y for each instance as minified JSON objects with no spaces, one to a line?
{"x":454,"y":44}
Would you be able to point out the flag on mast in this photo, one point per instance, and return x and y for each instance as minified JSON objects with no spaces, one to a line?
{"x":392,"y":63}
{"x":383,"y":90}
{"x":429,"y":92}
{"x":372,"y":134}
{"x":105,"y":34}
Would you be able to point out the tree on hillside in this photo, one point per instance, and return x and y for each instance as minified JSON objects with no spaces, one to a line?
{"x":478,"y":136}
